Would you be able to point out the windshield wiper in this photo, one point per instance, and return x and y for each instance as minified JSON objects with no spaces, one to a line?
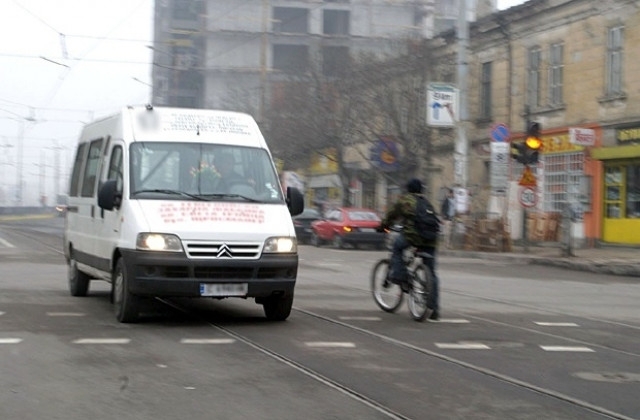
{"x":172,"y":192}
{"x":222,"y":195}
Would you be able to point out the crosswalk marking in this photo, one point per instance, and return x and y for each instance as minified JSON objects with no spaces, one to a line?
{"x":360,"y":318}
{"x":10,"y":340}
{"x":207,"y":341}
{"x":65,"y":314}
{"x":567,"y":348}
{"x":334,"y":344}
{"x":102,"y":341}
{"x":6,"y":243}
{"x":453,"y":321}
{"x":557,"y":324}
{"x":462,"y":346}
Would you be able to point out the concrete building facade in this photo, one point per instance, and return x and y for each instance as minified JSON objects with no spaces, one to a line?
{"x":567,"y":64}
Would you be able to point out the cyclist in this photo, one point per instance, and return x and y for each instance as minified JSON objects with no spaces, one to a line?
{"x":403,"y":212}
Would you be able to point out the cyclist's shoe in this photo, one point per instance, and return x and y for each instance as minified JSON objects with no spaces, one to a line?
{"x":435,"y":316}
{"x":405,"y":286}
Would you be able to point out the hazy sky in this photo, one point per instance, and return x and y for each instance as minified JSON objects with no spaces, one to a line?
{"x":63,"y":63}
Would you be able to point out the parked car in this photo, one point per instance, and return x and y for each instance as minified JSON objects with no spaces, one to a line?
{"x":348,"y":226}
{"x":302,"y":224}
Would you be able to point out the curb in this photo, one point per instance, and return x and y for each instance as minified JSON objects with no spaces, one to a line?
{"x":602,"y":266}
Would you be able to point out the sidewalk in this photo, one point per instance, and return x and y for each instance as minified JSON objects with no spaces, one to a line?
{"x":615,"y":260}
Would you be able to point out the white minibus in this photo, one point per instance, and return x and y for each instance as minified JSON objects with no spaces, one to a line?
{"x":170,"y":202}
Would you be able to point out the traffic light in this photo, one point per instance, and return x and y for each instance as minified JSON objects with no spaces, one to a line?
{"x":528,"y":151}
{"x":533,"y":143}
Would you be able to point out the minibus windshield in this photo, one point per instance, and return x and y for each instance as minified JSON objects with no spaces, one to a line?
{"x":202,"y":171}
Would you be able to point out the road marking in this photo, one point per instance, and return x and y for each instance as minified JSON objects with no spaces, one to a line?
{"x":10,"y":340}
{"x":6,"y":243}
{"x":65,"y":314}
{"x":557,"y":324}
{"x":333,"y":344}
{"x":360,"y":318}
{"x":207,"y":341}
{"x":567,"y":348}
{"x":102,"y":341}
{"x":463,"y":346}
{"x":1,"y":313}
{"x":452,"y":321}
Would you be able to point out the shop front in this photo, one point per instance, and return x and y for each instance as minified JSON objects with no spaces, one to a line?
{"x":621,"y":186}
{"x":564,"y":188}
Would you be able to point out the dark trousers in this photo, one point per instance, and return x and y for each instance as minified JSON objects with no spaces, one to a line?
{"x":399,"y":270}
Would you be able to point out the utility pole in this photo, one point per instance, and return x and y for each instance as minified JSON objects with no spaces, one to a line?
{"x":462,"y":143}
{"x":263,"y":60}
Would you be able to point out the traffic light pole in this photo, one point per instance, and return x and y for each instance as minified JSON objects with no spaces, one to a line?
{"x":461,"y":171}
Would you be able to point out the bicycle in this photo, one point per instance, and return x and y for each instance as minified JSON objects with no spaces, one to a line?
{"x":389,"y":296}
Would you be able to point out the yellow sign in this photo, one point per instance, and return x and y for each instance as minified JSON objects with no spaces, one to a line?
{"x":528,"y":179}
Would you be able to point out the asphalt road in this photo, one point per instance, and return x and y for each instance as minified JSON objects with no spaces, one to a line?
{"x":514,"y":342}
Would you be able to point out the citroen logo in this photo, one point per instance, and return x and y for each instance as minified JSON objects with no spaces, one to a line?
{"x":224,"y":252}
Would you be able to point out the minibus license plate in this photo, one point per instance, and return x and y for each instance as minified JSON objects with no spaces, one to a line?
{"x":223,"y":289}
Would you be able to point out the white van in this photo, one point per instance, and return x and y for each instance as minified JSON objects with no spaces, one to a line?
{"x":173,"y":202}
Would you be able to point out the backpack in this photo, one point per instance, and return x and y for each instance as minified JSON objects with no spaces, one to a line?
{"x":427,"y":222}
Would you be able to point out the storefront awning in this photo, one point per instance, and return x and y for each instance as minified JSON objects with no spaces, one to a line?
{"x":325,"y":181}
{"x":618,"y":152}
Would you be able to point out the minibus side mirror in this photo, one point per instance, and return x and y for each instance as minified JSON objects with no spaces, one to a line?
{"x":108,"y":195}
{"x":295,"y":201}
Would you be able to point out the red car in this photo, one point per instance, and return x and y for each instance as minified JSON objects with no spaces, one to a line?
{"x":348,"y":225}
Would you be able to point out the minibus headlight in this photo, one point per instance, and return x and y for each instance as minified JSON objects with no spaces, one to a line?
{"x":281,"y":244}
{"x":158,"y":242}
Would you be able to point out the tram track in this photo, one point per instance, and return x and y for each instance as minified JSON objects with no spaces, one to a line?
{"x":396,"y":343}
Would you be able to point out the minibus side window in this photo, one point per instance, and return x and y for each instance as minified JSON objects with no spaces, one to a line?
{"x":91,"y":169}
{"x":77,"y":168}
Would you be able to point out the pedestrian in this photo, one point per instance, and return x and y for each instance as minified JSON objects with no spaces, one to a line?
{"x":448,"y":213}
{"x":404,"y":212}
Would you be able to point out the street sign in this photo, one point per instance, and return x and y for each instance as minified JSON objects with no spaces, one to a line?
{"x":499,"y":175}
{"x":500,"y":133}
{"x":442,"y":105}
{"x":528,"y":179}
{"x":582,"y":136}
{"x":527,"y":197}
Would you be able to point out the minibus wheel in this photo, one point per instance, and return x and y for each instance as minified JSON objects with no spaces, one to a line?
{"x":278,"y":308}
{"x":78,"y":281}
{"x":126,"y":304}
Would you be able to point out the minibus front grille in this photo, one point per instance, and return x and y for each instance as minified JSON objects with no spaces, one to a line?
{"x":223,"y":250}
{"x":213,"y":273}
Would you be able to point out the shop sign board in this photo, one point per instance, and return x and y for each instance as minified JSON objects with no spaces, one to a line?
{"x":582,"y":136}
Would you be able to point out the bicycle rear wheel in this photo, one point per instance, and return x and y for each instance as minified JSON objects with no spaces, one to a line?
{"x":421,"y":286}
{"x":388,"y":296}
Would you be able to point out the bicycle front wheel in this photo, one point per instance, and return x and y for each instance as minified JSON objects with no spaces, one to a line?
{"x":421,"y":286}
{"x":388,"y":296}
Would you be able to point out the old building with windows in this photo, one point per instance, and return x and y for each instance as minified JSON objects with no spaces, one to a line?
{"x":239,"y":54}
{"x":566,"y":64}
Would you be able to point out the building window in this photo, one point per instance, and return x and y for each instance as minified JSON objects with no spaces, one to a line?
{"x":533,"y":78}
{"x":614,"y":61}
{"x":562,"y":177}
{"x":291,"y":58}
{"x":556,"y":69}
{"x":633,"y":192}
{"x":185,"y":9}
{"x":335,"y":60}
{"x":485,"y":92}
{"x":335,"y":22}
{"x":290,"y":20}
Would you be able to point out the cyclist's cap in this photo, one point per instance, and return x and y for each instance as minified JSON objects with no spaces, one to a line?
{"x":414,"y":186}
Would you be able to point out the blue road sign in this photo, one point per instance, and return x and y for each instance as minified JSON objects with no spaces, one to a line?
{"x":500,"y":132}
